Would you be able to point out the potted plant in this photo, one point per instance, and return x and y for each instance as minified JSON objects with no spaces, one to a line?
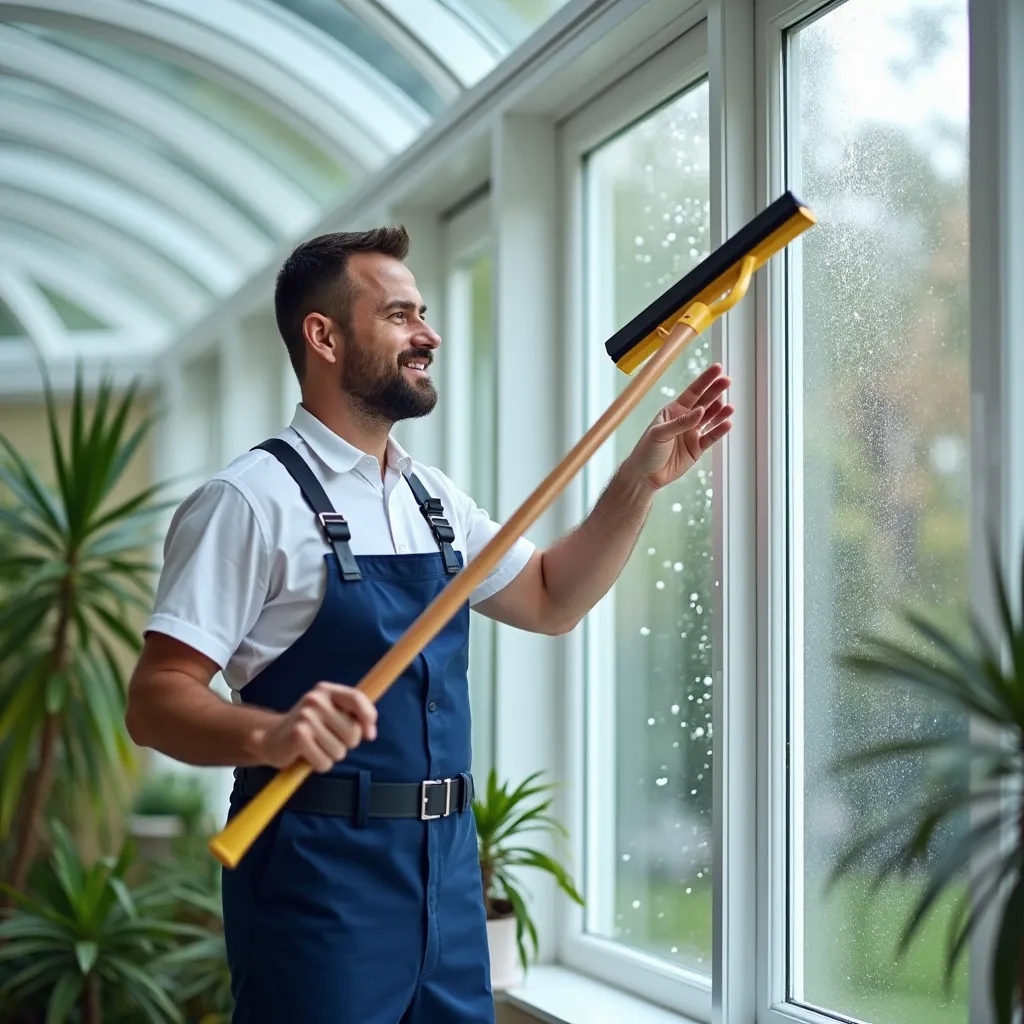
{"x":168,"y":804}
{"x":982,"y":679}
{"x":502,"y":817}
{"x":75,"y":565}
{"x":85,"y":941}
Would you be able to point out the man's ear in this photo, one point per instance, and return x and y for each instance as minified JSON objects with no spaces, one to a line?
{"x":321,"y":337}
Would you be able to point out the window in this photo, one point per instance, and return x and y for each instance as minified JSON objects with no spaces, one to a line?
{"x":876,"y":100}
{"x":470,"y":419}
{"x":644,"y":221}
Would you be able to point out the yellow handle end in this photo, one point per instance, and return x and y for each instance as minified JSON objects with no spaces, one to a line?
{"x":230,"y":845}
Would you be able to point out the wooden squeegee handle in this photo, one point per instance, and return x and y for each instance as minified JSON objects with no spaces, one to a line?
{"x":231,"y":843}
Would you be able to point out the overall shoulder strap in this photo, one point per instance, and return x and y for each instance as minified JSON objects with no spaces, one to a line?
{"x":433,"y":511}
{"x":333,"y":524}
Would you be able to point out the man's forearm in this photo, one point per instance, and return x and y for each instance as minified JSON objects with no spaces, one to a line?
{"x":170,"y":712}
{"x":580,"y":569}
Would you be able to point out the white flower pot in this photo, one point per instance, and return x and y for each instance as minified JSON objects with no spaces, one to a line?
{"x":155,"y":826}
{"x":154,"y":834}
{"x":506,"y":968}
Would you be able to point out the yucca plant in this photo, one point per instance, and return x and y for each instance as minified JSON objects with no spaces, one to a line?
{"x":502,"y":817}
{"x":74,"y":564}
{"x":982,"y":679}
{"x":85,"y":937}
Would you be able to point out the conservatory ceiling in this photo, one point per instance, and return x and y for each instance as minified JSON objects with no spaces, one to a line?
{"x":155,"y":153}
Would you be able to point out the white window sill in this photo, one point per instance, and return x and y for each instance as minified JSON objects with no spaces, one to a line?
{"x":556,"y":995}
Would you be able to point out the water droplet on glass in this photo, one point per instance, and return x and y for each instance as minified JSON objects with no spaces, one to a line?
{"x":661,"y":782}
{"x":636,"y":904}
{"x":644,"y":631}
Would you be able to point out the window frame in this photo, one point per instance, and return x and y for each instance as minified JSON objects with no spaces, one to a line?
{"x":681,"y":64}
{"x":465,"y":233}
{"x":995,"y":497}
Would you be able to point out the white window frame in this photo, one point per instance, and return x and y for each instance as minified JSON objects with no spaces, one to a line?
{"x":679,"y":65}
{"x":466,"y":232}
{"x":997,"y":373}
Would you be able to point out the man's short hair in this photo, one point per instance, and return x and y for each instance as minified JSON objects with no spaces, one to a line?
{"x":314,"y":279}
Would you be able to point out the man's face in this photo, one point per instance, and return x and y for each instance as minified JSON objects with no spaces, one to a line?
{"x":388,"y":347}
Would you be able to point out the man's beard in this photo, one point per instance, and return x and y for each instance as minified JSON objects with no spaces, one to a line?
{"x":380,"y":388}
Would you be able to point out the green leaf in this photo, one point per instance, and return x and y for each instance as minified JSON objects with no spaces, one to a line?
{"x":987,"y":886}
{"x":17,"y":755}
{"x":27,"y":530}
{"x":144,"y":989}
{"x":935,"y":681}
{"x":64,"y":997}
{"x":86,"y":954}
{"x":57,"y":690}
{"x":954,"y":859}
{"x":38,"y":974}
{"x":117,"y":627}
{"x":1007,"y":960}
{"x":32,"y":492}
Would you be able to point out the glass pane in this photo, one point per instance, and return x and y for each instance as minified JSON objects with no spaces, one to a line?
{"x":23,"y":92}
{"x":341,"y":24}
{"x":480,"y":385}
{"x":84,"y":259}
{"x":72,"y":315}
{"x":649,"y":646}
{"x":275,"y":140}
{"x":878,"y":115}
{"x":514,"y":20}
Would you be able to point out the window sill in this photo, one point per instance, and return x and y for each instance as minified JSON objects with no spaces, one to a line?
{"x":556,"y":995}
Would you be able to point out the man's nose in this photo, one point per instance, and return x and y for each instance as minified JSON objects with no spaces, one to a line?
{"x":427,"y":336}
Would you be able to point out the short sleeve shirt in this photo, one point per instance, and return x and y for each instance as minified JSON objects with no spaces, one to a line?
{"x":244,"y":570}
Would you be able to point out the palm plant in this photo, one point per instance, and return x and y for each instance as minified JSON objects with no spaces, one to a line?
{"x":981,"y":777}
{"x":83,"y":934}
{"x":72,"y":570}
{"x":501,"y":819}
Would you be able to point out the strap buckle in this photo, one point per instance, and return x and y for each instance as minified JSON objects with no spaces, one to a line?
{"x":442,"y":529}
{"x":424,"y":796}
{"x":334,"y":525}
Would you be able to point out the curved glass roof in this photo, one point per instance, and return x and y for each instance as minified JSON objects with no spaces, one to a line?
{"x":155,"y":153}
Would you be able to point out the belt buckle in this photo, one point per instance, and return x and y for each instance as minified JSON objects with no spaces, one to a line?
{"x":447,"y":798}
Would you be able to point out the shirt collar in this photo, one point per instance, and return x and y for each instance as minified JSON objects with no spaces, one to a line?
{"x":335,"y":452}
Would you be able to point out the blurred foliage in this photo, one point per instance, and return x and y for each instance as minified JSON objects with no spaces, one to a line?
{"x":75,"y":565}
{"x":979,"y":775}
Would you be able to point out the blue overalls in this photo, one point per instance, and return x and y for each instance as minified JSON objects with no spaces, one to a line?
{"x":350,"y":908}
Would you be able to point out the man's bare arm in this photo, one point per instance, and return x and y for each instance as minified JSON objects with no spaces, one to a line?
{"x":171,"y":708}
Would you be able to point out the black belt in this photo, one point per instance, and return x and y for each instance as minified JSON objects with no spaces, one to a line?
{"x":321,"y":794}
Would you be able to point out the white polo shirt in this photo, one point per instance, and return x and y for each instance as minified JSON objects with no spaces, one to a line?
{"x":244,"y":571}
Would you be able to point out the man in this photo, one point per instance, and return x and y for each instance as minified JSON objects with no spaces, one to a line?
{"x":293,"y":571}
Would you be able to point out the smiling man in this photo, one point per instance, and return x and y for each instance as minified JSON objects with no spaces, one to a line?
{"x":292,"y":572}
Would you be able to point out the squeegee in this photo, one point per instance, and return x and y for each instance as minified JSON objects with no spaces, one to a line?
{"x":652,"y":340}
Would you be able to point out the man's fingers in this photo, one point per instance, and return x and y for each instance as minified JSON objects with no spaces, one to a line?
{"x":708,"y":438}
{"x":355,"y":703}
{"x":316,"y":745}
{"x":705,"y":396}
{"x":713,"y":376}
{"x":359,"y":706}
{"x":715,"y":414}
{"x":685,"y":421}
